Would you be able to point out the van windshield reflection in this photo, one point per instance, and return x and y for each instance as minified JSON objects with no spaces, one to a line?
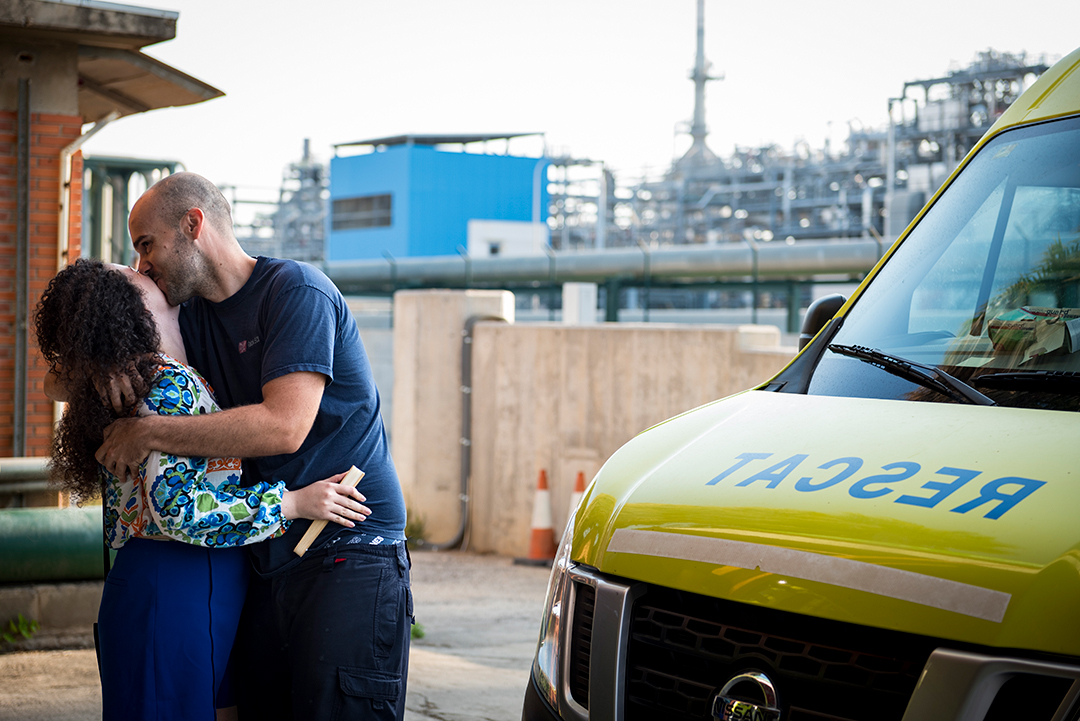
{"x":988,"y":283}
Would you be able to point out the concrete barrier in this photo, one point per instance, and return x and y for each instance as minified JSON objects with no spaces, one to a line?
{"x":545,"y":396}
{"x":426,"y":426}
{"x":66,"y":613}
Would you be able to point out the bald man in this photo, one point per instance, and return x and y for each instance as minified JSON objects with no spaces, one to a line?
{"x":325,"y":635}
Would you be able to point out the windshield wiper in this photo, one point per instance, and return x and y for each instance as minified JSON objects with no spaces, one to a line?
{"x":926,"y":376}
{"x":1062,"y":382}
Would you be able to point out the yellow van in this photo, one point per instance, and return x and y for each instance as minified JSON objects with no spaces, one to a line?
{"x":888,"y":529}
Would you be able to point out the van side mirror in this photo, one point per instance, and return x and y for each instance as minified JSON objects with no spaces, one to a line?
{"x":818,"y":314}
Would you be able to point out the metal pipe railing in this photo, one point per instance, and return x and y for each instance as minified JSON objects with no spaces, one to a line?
{"x":24,"y":475}
{"x":45,"y":544}
{"x":50,"y":544}
{"x":729,"y":260}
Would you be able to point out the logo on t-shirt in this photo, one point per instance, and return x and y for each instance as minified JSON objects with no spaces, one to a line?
{"x":245,"y":344}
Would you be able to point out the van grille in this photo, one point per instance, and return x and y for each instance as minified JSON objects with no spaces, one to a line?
{"x":683,"y":647}
{"x":581,"y":642}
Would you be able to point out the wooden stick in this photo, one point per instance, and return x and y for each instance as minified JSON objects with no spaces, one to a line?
{"x":351,"y":479}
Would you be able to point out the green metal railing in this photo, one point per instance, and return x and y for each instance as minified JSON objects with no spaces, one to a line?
{"x":23,"y":475}
{"x":45,"y":544}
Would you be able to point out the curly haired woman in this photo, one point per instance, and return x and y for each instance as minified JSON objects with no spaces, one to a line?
{"x":170,"y":610}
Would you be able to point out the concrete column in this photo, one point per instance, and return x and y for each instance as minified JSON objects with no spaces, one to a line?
{"x":579,"y":303}
{"x":427,"y":433}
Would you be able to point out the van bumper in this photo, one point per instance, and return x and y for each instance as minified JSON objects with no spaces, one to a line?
{"x":535,"y":707}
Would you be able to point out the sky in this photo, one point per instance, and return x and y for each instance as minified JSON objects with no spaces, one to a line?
{"x":602,"y":79}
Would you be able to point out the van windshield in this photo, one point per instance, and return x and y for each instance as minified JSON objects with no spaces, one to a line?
{"x":984,"y":291}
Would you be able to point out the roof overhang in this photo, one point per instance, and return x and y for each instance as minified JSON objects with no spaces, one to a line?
{"x":113,"y":73}
{"x":461,"y":139}
{"x":85,"y":22}
{"x":130,"y":82}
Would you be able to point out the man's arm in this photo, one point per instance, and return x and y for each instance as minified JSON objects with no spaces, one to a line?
{"x":277,"y":425}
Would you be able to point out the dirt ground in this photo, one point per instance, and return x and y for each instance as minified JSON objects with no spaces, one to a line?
{"x":480,"y":616}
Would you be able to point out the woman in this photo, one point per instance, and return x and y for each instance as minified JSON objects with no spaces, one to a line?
{"x":170,"y":610}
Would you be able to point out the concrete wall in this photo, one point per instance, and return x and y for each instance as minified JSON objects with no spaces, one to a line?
{"x":426,"y":427}
{"x":373,"y":321}
{"x":379,"y":346}
{"x":545,"y":396}
{"x":66,"y":612}
{"x":51,"y":69}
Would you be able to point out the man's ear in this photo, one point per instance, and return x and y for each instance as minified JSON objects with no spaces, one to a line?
{"x":193,"y":223}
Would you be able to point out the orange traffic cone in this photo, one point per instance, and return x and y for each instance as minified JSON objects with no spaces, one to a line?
{"x":542,"y":541}
{"x":579,"y":491}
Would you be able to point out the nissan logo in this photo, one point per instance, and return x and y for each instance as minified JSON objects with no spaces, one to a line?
{"x":749,"y":696}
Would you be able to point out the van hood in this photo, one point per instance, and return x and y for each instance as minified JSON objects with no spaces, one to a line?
{"x":952,"y":521}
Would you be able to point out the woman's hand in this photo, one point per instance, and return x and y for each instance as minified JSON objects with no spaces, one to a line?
{"x":326,"y":500}
{"x":117,"y":389}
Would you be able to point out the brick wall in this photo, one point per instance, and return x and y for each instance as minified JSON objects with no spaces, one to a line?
{"x":49,"y":134}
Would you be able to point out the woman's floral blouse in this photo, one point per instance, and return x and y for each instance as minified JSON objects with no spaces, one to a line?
{"x":194,"y":500}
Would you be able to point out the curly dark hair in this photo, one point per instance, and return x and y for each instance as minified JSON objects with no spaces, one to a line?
{"x":91,"y":325}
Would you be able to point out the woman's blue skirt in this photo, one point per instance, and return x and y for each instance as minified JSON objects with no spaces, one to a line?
{"x":166,"y":627}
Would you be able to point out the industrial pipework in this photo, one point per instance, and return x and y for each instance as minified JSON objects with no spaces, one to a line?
{"x":776,"y":260}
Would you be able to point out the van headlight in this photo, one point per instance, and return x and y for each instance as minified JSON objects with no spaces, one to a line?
{"x":549,"y":653}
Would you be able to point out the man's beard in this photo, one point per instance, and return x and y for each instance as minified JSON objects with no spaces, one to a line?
{"x":187,"y":275}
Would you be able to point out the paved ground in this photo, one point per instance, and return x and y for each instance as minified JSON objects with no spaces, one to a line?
{"x":480,"y":616}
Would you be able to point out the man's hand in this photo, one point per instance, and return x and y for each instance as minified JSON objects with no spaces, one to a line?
{"x":126,"y":446}
{"x":326,"y":500}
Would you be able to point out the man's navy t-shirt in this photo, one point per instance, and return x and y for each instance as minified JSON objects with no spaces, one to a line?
{"x":288,"y":317}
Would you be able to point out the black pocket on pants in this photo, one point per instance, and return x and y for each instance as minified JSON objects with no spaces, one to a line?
{"x":387,"y":612}
{"x":366,"y":693}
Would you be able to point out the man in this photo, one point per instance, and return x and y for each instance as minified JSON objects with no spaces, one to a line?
{"x":325,"y":635}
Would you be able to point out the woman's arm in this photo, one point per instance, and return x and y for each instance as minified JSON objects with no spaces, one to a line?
{"x":200,"y":501}
{"x":326,"y":500}
{"x":187,"y":507}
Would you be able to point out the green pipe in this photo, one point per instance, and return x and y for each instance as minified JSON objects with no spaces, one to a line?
{"x":50,"y":544}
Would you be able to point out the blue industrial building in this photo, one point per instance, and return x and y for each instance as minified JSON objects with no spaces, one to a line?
{"x":408,"y":198}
